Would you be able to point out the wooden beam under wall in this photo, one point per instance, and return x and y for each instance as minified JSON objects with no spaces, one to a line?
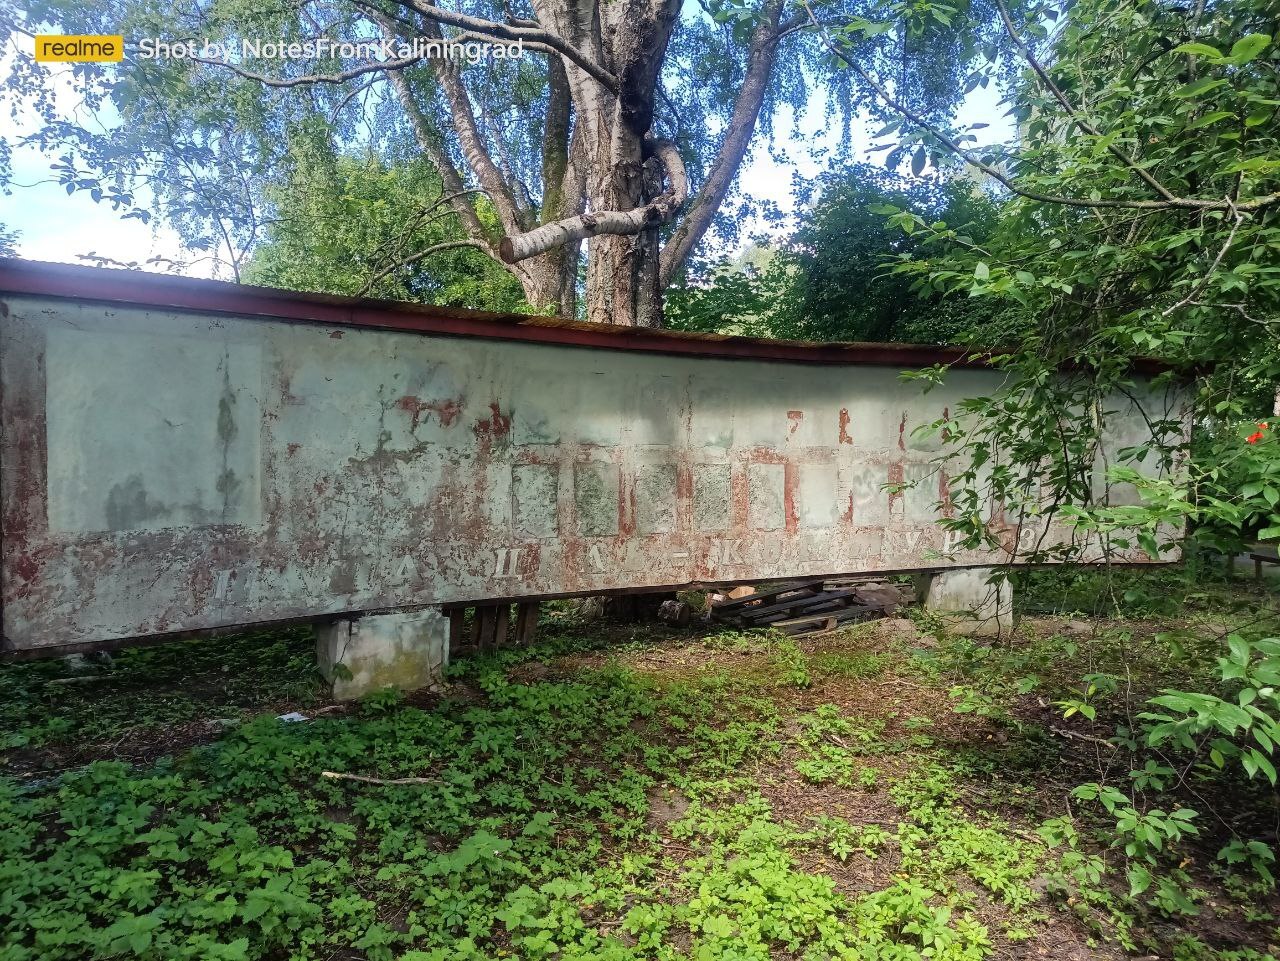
{"x":482,"y":628}
{"x":457,"y":629}
{"x":527,"y":622}
{"x":501,"y":618}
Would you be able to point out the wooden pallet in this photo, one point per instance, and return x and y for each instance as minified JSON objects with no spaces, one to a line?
{"x":800,"y":607}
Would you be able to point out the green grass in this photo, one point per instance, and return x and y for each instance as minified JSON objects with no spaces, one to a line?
{"x":610,"y":806}
{"x":1172,"y":590}
{"x":149,"y":689}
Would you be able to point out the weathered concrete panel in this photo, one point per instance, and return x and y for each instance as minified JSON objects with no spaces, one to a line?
{"x":189,"y":454}
{"x":767,"y":497}
{"x":596,"y":495}
{"x":169,"y":470}
{"x":533,"y":499}
{"x":817,"y":493}
{"x":925,"y":486}
{"x":655,"y":498}
{"x":712,"y":497}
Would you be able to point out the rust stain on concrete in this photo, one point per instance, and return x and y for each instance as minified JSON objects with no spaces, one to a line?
{"x":497,"y":424}
{"x":844,"y":426}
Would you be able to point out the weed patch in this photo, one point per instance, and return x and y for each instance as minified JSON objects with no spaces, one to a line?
{"x":732,"y":797}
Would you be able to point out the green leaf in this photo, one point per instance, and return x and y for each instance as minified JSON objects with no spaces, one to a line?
{"x":1148,"y":543}
{"x":1248,"y":47}
{"x":1211,"y":118}
{"x":1197,"y":87}
{"x":254,"y":907}
{"x":1261,"y":763}
{"x":981,"y":271}
{"x":1199,"y":50}
{"x":1230,"y":717}
{"x":918,"y":161}
{"x":718,"y":925}
{"x":1239,"y":649}
{"x":1173,"y":701}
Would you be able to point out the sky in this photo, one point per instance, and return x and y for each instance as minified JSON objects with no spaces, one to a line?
{"x":55,"y":226}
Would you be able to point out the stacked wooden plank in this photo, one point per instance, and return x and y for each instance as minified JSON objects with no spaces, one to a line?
{"x":813,"y":606}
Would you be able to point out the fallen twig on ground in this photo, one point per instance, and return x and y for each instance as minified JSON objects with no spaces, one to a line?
{"x":390,"y":782}
{"x":1083,"y":737}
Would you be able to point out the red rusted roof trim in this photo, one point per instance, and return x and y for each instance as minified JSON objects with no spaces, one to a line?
{"x":143,"y":289}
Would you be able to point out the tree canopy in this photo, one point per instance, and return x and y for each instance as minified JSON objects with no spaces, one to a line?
{"x":832,"y":278}
{"x":616,"y":140}
{"x":1143,"y":220}
{"x":348,"y":225}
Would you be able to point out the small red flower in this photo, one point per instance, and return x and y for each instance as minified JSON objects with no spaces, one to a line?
{"x":1253,"y":438}
{"x":1262,"y":425}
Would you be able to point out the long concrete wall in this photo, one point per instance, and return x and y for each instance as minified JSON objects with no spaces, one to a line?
{"x":169,"y":470}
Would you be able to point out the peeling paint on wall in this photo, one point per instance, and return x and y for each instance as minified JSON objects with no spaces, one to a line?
{"x":171,"y":471}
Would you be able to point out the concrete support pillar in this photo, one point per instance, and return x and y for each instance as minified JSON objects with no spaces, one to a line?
{"x":969,"y":604}
{"x":405,"y":651}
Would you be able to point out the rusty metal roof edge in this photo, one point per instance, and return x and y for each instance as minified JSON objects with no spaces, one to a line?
{"x":145,"y":289}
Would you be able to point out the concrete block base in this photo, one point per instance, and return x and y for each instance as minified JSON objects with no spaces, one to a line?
{"x":969,"y":604}
{"x":405,"y":651}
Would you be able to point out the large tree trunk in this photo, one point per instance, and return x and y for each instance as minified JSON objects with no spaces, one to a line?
{"x":552,"y":277}
{"x":614,"y":262}
{"x":622,"y":271}
{"x":543,"y":280}
{"x":603,"y":171}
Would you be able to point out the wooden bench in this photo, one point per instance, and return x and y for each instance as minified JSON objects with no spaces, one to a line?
{"x":1261,"y":557}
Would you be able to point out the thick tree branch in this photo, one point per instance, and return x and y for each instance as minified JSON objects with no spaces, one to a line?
{"x":463,"y":120}
{"x":555,"y":142}
{"x":376,"y":66}
{"x":578,"y":21}
{"x":462,"y":36}
{"x":506,"y":166}
{"x":429,"y":144}
{"x":737,"y":138}
{"x":620,"y":222}
{"x":540,"y":289}
{"x":511,"y":33}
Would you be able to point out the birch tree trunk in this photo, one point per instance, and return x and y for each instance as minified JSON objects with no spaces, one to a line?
{"x":609,"y":182}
